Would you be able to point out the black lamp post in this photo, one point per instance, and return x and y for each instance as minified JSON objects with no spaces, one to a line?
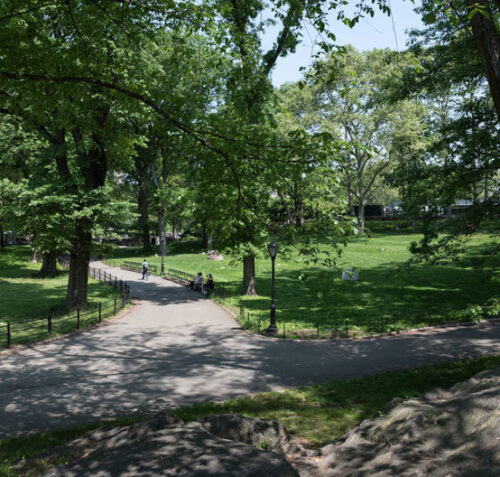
{"x":273,"y":251}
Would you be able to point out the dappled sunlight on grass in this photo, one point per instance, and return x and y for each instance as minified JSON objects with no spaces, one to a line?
{"x":24,"y":296}
{"x":388,"y":291}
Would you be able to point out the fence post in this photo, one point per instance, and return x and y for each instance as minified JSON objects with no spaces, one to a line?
{"x":347,"y":328}
{"x":115,"y":306}
{"x":78,"y":318}
{"x":121,"y":285}
{"x":116,"y":280}
{"x":248,"y":320}
{"x":110,"y":278}
{"x":8,"y":335}
{"x":284,"y":329}
{"x":49,"y":324}
{"x":258,"y":327}
{"x":100,"y":311}
{"x":99,"y":274}
{"x":317,"y":330}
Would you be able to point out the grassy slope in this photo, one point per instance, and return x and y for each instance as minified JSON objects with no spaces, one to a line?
{"x":23,"y":296}
{"x":405,"y":297}
{"x":317,"y":414}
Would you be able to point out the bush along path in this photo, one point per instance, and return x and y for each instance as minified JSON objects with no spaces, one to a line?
{"x":176,"y":347}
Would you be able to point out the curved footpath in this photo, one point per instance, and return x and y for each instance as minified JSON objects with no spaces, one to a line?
{"x":176,"y":347}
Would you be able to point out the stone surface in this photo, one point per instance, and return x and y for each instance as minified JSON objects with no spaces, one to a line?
{"x":442,"y":433}
{"x":256,"y":432}
{"x":214,"y":255}
{"x":165,"y":446}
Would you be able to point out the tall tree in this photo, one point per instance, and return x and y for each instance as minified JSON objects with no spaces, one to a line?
{"x":477,"y":19}
{"x":353,"y":105}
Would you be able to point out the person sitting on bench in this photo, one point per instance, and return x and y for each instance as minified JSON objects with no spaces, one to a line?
{"x":209,"y":284}
{"x":198,"y":282}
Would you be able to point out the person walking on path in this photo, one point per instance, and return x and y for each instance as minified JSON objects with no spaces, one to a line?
{"x":145,"y":269}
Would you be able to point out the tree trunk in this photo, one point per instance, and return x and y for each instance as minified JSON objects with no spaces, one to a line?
{"x":49,"y":264}
{"x":350,"y":198}
{"x":485,"y":33}
{"x":210,"y":242}
{"x":204,"y":237}
{"x":161,"y":231}
{"x":486,"y":187}
{"x":249,"y":281}
{"x":143,"y":203}
{"x":79,"y":259}
{"x":298,"y":206}
{"x":35,"y":255}
{"x":361,"y":217}
{"x":92,"y":167}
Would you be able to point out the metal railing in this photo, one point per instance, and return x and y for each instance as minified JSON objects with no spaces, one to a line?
{"x":179,"y":277}
{"x":137,"y":267}
{"x":39,"y":328}
{"x":326,"y":326}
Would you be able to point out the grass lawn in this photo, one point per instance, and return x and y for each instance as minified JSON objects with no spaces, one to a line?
{"x":23,"y":297}
{"x":317,"y":414}
{"x":388,"y":296}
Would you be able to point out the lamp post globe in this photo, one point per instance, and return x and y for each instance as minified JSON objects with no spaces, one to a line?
{"x":273,"y":251}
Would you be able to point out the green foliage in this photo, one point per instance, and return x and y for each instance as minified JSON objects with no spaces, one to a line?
{"x":462,"y":155}
{"x":349,"y":99}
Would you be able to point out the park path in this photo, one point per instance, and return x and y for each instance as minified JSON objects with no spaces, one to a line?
{"x":176,"y":347}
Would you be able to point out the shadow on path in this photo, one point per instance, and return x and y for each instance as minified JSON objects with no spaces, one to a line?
{"x":176,"y":347}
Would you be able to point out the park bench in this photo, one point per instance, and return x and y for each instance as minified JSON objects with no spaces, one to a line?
{"x":137,"y":267}
{"x":186,"y":279}
{"x":177,"y":276}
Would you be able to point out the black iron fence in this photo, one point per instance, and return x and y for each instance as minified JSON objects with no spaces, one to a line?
{"x":18,"y":332}
{"x":137,"y":267}
{"x":330,"y":327}
{"x":178,"y":276}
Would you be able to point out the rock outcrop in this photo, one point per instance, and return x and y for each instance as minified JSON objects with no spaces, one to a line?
{"x":163,"y":446}
{"x":442,"y":433}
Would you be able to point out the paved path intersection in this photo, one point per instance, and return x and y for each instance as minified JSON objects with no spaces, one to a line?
{"x":176,"y":347}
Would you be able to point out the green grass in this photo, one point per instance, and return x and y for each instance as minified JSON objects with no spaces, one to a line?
{"x":25,"y":297}
{"x":316,"y":414}
{"x":388,"y":292}
{"x":322,"y":413}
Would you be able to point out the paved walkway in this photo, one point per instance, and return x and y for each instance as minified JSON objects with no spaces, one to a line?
{"x":176,"y":347}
